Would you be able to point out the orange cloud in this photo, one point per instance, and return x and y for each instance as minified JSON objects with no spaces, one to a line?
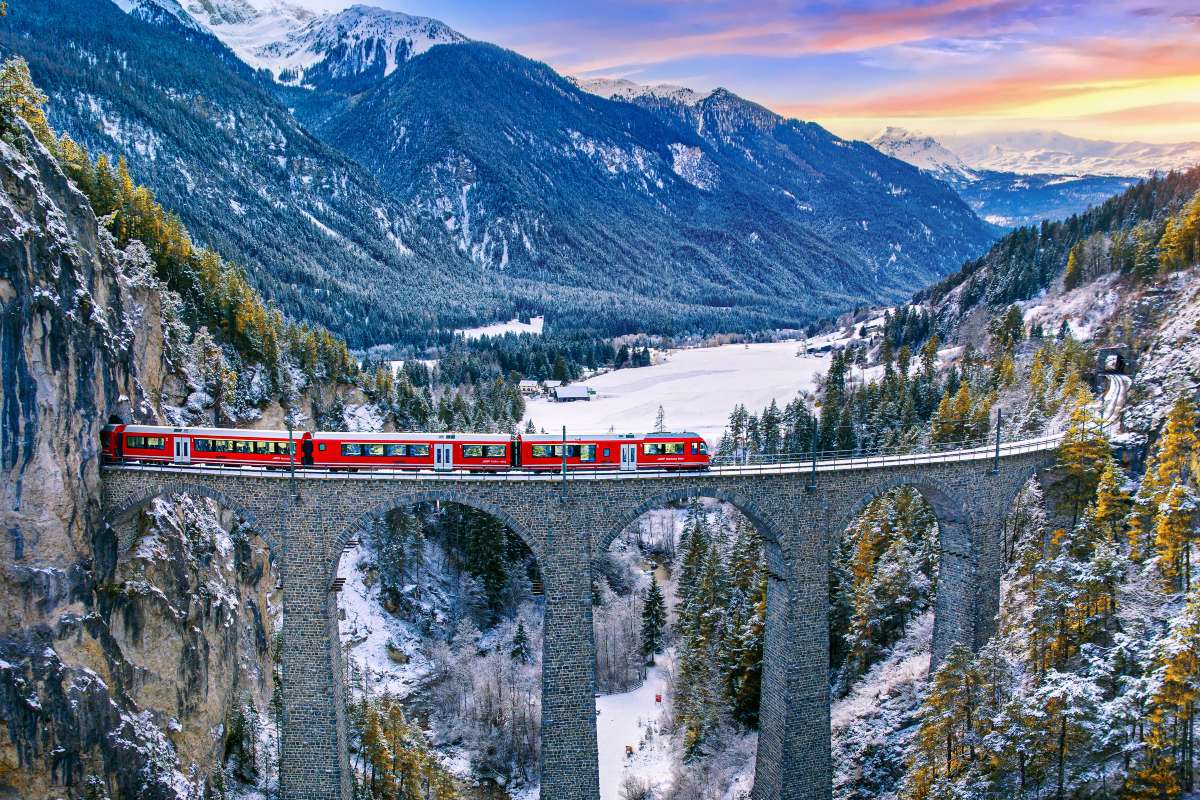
{"x":1052,"y":76}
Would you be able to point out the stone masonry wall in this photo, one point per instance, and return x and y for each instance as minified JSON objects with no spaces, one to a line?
{"x":567,"y":527}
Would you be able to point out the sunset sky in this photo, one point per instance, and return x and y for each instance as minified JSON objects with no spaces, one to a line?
{"x":1099,"y":69}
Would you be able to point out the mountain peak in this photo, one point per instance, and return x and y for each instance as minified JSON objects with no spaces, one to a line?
{"x":923,"y":152}
{"x":303,"y":48}
{"x":625,"y":89}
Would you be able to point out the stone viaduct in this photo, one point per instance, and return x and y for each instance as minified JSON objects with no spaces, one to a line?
{"x":800,"y":510}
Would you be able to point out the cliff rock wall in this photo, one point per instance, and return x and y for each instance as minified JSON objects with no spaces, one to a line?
{"x":122,"y":669}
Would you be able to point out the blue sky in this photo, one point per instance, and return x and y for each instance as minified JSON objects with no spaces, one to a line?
{"x":1101,"y":69}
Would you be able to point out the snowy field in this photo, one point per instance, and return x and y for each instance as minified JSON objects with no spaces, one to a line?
{"x":534,"y":326}
{"x":632,"y":718}
{"x":697,"y":389}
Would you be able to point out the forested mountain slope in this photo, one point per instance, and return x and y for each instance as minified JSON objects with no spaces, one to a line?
{"x":1122,"y":234}
{"x":727,"y":212}
{"x":207,"y":135}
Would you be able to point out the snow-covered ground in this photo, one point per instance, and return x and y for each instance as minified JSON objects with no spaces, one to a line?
{"x":534,"y":327}
{"x":632,"y":718}
{"x":697,"y":389}
{"x":1084,"y":308}
{"x":367,"y":631}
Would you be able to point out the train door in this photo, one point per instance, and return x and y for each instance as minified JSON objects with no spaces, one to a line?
{"x":443,"y":456}
{"x":183,"y":450}
{"x":628,"y":456}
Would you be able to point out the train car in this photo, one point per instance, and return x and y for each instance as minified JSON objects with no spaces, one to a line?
{"x":468,"y":452}
{"x":672,"y":451}
{"x":110,"y":443}
{"x":544,"y":452}
{"x":472,"y":452}
{"x":151,"y":443}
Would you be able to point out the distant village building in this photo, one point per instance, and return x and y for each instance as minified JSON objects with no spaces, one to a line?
{"x":529,"y":388}
{"x":551,"y":385}
{"x":576,"y":391}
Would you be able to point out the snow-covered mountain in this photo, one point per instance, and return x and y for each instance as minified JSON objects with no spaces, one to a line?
{"x":299,"y":47}
{"x":1050,"y":152}
{"x":923,"y":152}
{"x":1007,"y":198}
{"x":624,"y":89}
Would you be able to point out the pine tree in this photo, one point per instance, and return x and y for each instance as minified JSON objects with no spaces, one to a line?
{"x":1073,"y":276}
{"x":520,"y":644}
{"x":1082,"y":456}
{"x":654,"y":620}
{"x":944,"y":744}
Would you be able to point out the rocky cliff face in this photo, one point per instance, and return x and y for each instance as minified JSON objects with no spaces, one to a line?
{"x":124,"y":654}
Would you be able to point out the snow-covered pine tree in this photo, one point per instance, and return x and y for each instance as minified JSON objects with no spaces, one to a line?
{"x":654,"y":620}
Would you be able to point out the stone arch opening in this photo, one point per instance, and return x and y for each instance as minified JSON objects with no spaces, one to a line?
{"x":443,"y":592}
{"x":124,"y":513}
{"x":688,"y":694}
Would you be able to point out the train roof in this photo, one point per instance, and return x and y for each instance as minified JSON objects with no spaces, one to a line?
{"x":670,"y":435}
{"x":221,"y":433}
{"x":575,"y":437}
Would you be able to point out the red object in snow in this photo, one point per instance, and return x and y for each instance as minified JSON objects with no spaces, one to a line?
{"x":658,"y":698}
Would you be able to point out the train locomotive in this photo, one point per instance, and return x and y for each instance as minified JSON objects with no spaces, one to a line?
{"x":440,"y":452}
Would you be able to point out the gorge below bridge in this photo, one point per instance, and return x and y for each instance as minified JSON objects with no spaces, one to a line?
{"x":568,"y":523}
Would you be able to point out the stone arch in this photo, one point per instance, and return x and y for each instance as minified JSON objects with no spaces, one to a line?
{"x":405,"y":499}
{"x":176,"y":489}
{"x":773,"y":537}
{"x":947,"y":505}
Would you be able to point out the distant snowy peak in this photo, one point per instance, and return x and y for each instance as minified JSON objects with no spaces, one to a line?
{"x":623,"y":89}
{"x":353,"y":42}
{"x":217,"y":13}
{"x":1039,"y":152}
{"x":923,"y":152}
{"x":152,"y":11}
{"x":300,"y":47}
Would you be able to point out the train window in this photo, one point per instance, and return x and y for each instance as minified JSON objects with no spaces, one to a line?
{"x":472,"y":451}
{"x":285,"y":448}
{"x":673,"y":448}
{"x":263,"y":448}
{"x":156,"y":443}
{"x":607,"y":452}
{"x":201,"y":445}
{"x":243,"y":446}
{"x":587,"y":452}
{"x":321,"y":447}
{"x":419,"y":450}
{"x":699,"y":448}
{"x":542,"y":451}
{"x":652,"y":449}
{"x":494,"y":451}
{"x":372,"y":450}
{"x":394,"y":449}
{"x":352,"y":450}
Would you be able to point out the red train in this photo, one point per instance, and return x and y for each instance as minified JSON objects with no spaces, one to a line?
{"x":471,"y":452}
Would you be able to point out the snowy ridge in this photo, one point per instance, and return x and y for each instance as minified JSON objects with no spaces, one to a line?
{"x":1035,"y":152}
{"x":365,"y":33}
{"x":290,"y":41}
{"x":624,"y":89}
{"x":247,"y":25}
{"x":923,"y":152}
